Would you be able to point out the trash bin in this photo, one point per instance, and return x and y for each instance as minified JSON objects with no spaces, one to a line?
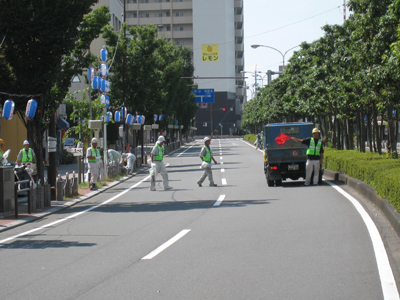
{"x":7,"y":197}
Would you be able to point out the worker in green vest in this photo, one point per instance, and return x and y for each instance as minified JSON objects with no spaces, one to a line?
{"x":157,"y":165}
{"x":26,"y":155}
{"x":94,"y":159}
{"x":315,"y":155}
{"x":207,"y":156}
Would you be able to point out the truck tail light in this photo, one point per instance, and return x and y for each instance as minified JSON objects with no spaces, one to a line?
{"x":274,"y":168}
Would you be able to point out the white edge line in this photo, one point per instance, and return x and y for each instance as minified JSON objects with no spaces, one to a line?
{"x":220,"y":199}
{"x":168,"y":243}
{"x":389,"y":287}
{"x":74,"y":215}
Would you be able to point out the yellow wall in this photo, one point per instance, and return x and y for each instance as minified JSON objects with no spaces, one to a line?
{"x":13,"y":133}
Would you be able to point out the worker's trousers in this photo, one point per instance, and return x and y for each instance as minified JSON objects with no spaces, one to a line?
{"x":159,"y":168}
{"x":312,"y":165}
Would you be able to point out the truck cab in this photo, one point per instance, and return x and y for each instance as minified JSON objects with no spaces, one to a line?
{"x":283,"y":157}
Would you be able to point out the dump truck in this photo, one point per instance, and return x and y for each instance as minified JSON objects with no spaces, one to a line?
{"x":283,"y":157}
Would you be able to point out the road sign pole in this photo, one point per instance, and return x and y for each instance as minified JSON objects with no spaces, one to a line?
{"x":211,"y":120}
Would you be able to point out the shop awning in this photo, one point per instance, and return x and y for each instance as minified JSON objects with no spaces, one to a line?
{"x":62,"y":123}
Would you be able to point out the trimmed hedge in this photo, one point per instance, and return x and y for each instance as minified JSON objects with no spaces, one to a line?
{"x":381,"y":173}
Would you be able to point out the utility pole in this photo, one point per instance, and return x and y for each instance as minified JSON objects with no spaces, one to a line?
{"x":344,"y":11}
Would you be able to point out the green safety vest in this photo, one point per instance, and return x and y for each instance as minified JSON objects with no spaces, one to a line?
{"x":208,"y":155}
{"x":96,"y":153}
{"x":160,"y":155}
{"x":1,"y":156}
{"x":27,"y":158}
{"x":314,"y":149}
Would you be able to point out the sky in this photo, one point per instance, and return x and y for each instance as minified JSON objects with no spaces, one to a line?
{"x":282,"y":24}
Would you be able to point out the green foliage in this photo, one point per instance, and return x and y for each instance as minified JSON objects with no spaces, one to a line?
{"x":147,"y":75}
{"x":380,"y":173}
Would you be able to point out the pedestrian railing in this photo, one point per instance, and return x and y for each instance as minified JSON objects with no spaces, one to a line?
{"x":38,"y":196}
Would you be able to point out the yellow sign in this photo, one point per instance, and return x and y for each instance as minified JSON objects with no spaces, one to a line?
{"x":209,"y":52}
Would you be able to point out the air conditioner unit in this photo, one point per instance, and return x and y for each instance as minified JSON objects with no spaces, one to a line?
{"x":95,"y":124}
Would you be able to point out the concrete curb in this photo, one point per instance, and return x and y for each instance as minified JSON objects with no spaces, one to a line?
{"x":370,"y":194}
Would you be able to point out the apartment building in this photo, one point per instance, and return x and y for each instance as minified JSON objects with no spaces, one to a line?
{"x":213,"y":29}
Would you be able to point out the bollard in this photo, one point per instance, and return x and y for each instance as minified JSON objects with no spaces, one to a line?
{"x":59,"y":189}
{"x":67,"y":186}
{"x":47,"y":195}
{"x":74,"y":185}
{"x":33,"y":197}
{"x":39,"y":197}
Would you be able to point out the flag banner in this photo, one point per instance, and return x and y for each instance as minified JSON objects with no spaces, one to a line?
{"x":282,"y":138}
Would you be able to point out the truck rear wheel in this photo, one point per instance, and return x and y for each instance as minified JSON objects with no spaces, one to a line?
{"x":270,"y":182}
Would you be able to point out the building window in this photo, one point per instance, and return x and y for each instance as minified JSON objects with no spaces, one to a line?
{"x":168,"y":14}
{"x":179,"y":14}
{"x":179,"y":43}
{"x":144,"y":1}
{"x":144,"y":15}
{"x":131,"y":1}
{"x":179,"y":29}
{"x":168,"y":28}
{"x":158,"y":1}
{"x":178,"y":0}
{"x":158,"y":15}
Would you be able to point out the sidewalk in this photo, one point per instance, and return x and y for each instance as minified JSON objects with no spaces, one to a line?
{"x":84,"y":194}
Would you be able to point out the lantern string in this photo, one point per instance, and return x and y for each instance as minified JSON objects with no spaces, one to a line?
{"x":3,"y":38}
{"x":20,"y":95}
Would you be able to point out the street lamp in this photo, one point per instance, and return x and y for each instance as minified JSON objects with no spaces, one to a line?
{"x":283,"y":54}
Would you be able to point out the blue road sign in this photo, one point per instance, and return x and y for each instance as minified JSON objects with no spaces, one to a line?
{"x":204,"y":95}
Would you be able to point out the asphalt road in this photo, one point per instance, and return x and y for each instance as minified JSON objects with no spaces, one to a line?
{"x":239,"y":240}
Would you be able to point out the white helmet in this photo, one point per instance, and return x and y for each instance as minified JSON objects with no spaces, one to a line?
{"x":94,"y":140}
{"x":26,"y":142}
{"x":206,"y":139}
{"x":161,"y":139}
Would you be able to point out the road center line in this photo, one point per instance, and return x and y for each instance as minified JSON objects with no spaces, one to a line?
{"x":388,"y":283}
{"x":223,"y":181}
{"x":219,"y":201}
{"x":168,"y":243}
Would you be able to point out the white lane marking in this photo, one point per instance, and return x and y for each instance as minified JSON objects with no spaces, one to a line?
{"x":221,"y":158}
{"x":221,"y":162}
{"x":185,"y":150}
{"x":168,"y":243}
{"x":74,"y":215}
{"x":223,"y":181}
{"x":388,"y":283}
{"x":222,"y":170}
{"x":219,"y":201}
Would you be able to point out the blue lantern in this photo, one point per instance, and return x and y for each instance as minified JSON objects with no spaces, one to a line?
{"x":96,"y":83}
{"x":109,"y":116}
{"x":102,"y":85}
{"x":122,"y":113}
{"x":103,"y":54}
{"x":90,"y":74}
{"x":104,"y":70}
{"x":105,"y":100}
{"x":129,"y":119}
{"x":30,"y":109}
{"x":117,"y":116}
{"x":155,"y":118}
{"x":161,"y":117}
{"x":8,"y":109}
{"x":107,"y":87}
{"x":142,"y":120}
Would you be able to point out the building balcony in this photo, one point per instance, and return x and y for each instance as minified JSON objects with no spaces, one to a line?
{"x":239,"y":32}
{"x":239,"y":47}
{"x":188,"y":34}
{"x":182,"y":20}
{"x":239,"y":18}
